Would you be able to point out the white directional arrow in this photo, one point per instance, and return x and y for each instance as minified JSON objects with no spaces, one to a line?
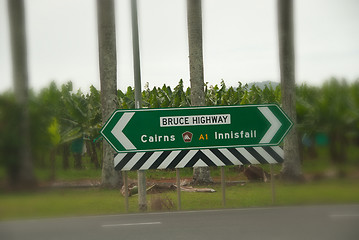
{"x":117,"y":131}
{"x":275,"y":124}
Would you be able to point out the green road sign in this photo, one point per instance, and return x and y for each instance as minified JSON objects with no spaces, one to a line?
{"x":141,"y":130}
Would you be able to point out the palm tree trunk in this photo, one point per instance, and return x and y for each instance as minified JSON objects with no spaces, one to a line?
{"x":201,"y":175}
{"x":94,"y":157}
{"x":108,"y":72}
{"x":20,"y":75}
{"x":291,"y":169}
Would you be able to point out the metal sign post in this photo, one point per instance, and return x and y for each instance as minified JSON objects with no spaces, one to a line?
{"x":125,"y":184}
{"x":272,"y":183}
{"x":141,"y":175}
{"x":223,"y":185}
{"x":178,"y":182}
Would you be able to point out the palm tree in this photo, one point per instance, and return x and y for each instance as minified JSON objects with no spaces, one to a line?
{"x":291,"y":167}
{"x":194,"y":21}
{"x":26,"y":175}
{"x":108,"y":72}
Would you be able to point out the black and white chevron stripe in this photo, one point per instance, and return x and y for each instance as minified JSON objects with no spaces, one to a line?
{"x":198,"y":158}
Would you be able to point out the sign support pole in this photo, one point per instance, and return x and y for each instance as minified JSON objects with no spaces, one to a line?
{"x":223,"y":184}
{"x":141,"y":175}
{"x":178,"y":182}
{"x":125,"y":183}
{"x":272,"y":183}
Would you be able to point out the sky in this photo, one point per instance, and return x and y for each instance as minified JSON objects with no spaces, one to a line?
{"x":239,"y":42}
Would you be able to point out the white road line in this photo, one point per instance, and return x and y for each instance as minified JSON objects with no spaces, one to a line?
{"x":130,"y":224}
{"x":344,"y":215}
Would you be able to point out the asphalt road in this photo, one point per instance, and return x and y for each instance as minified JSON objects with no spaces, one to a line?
{"x":306,"y":222}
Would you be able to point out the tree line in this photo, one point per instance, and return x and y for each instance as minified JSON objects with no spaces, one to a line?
{"x":63,"y":120}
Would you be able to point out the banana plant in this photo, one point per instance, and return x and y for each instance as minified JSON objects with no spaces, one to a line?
{"x":181,"y":98}
{"x":81,"y":121}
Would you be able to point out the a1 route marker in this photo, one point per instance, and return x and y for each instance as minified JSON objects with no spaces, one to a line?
{"x":141,"y":130}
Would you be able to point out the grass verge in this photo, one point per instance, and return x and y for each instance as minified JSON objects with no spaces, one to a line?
{"x":94,"y":201}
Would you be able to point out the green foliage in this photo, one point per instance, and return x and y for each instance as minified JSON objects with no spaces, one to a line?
{"x":126,"y":100}
{"x":181,"y":98}
{"x":333,"y":110}
{"x":54,"y":132}
{"x":9,"y":135}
